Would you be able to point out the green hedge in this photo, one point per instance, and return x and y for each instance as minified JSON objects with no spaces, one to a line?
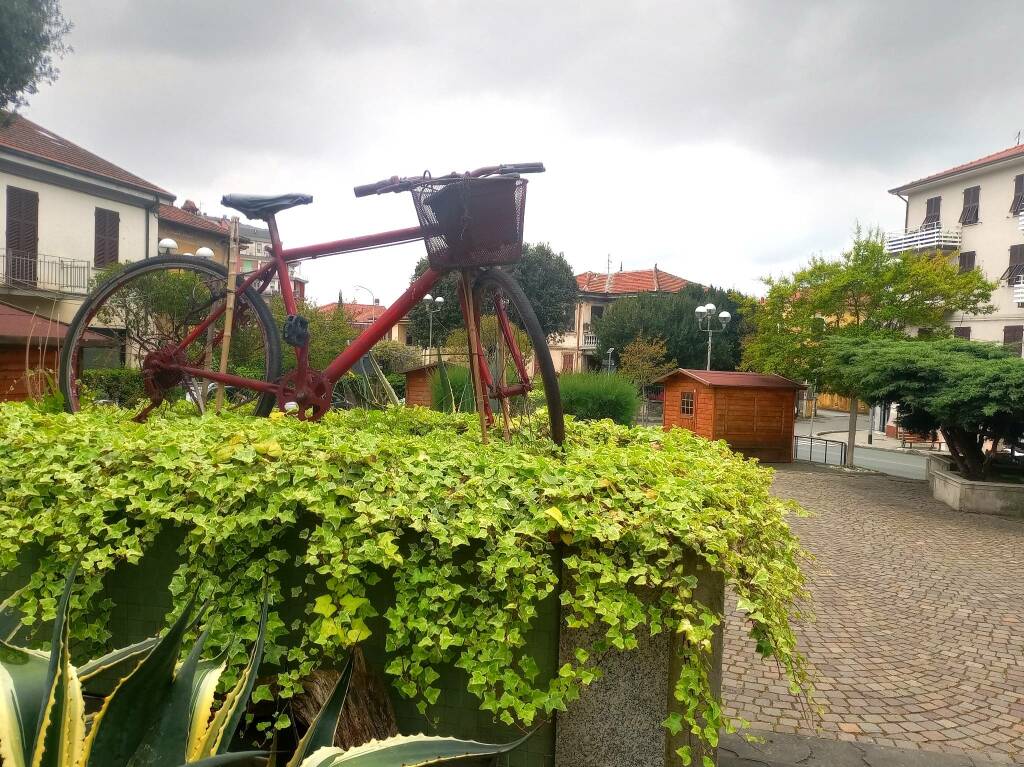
{"x":122,"y":386}
{"x":468,"y":536}
{"x":593,"y":396}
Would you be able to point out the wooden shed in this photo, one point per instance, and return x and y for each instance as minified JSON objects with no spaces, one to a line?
{"x":417,"y":385}
{"x":753,"y":412}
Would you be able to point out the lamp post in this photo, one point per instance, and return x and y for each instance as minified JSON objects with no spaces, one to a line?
{"x":609,"y":363}
{"x":167,"y":246}
{"x":434,"y":305}
{"x":704,"y":316}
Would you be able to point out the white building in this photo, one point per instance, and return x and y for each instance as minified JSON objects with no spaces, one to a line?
{"x":973,"y":212}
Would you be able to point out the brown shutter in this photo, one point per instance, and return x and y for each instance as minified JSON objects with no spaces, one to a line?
{"x":932,"y":211}
{"x":1018,"y":195}
{"x":1013,"y":338}
{"x":108,"y":224}
{"x":966,"y":261}
{"x":972,"y":196}
{"x":962,"y":332}
{"x":22,"y":235}
{"x":1016,"y":255}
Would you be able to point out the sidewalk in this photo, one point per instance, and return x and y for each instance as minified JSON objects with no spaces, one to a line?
{"x":833,"y":424}
{"x":779,"y":750}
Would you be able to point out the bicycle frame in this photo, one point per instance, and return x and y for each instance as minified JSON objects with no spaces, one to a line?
{"x":278,"y":266}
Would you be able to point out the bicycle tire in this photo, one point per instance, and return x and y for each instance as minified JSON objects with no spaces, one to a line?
{"x":496,"y":278}
{"x":98,"y":295}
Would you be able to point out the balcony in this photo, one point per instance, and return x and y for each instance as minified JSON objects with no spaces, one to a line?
{"x":589,"y":340}
{"x":925,"y":238}
{"x":43,"y":274}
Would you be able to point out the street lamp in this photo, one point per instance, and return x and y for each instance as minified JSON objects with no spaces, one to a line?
{"x":166,"y":246}
{"x":610,"y":350}
{"x":704,"y":316}
{"x":434,"y":304}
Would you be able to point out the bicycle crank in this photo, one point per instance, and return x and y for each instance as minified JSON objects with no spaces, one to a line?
{"x":308,"y":397}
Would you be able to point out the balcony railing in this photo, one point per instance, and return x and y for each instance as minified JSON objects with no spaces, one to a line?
{"x":42,"y":273}
{"x":589,"y":340}
{"x":925,"y":238}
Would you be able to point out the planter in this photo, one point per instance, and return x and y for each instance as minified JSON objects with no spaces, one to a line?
{"x":1004,"y":499}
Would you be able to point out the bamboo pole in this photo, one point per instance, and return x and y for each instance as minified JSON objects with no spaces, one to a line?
{"x":229,"y":309}
{"x":469,"y":313}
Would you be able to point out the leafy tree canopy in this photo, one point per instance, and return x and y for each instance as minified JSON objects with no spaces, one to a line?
{"x":544,"y":275}
{"x":644,"y":359}
{"x":866,"y":292}
{"x":31,"y":37}
{"x":671,"y":317}
{"x":972,"y":392}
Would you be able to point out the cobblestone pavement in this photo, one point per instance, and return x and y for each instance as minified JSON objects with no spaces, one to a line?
{"x":918,"y":639}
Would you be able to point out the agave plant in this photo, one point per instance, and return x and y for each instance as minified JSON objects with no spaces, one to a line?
{"x":161,"y":713}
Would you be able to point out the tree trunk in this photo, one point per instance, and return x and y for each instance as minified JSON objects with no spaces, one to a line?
{"x":851,"y":434}
{"x":367,"y":713}
{"x":967,"y":453}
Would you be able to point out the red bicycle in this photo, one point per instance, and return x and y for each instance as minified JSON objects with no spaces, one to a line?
{"x":165,"y":316}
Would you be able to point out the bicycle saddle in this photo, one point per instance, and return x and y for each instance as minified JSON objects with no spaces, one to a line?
{"x":262,"y":205}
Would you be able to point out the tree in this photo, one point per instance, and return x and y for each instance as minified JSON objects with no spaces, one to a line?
{"x":644,"y":360}
{"x":671,"y":317}
{"x":973,"y":393}
{"x":31,"y":38}
{"x":544,"y":275}
{"x":866,"y":293}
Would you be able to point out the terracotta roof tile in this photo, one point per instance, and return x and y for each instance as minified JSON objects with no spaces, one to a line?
{"x":180,"y":217}
{"x":623,"y":283}
{"x":736,"y":378}
{"x":1005,"y":154}
{"x":357,"y":313}
{"x":23,"y":136}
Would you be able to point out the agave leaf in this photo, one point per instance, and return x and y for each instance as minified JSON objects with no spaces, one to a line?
{"x":408,"y":751}
{"x":61,"y":733}
{"x":321,"y":730}
{"x":225,"y":721}
{"x":166,"y":741}
{"x":137,"y":702}
{"x":116,"y":658}
{"x":23,"y":692}
{"x":447,"y":395}
{"x":232,"y":759}
{"x":204,"y":687}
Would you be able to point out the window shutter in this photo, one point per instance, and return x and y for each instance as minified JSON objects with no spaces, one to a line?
{"x":966,"y":261}
{"x":972,"y":196}
{"x":1013,"y":338}
{"x":932,"y":211}
{"x":22,"y":240}
{"x":1018,"y":195}
{"x":107,"y":238}
{"x":962,"y":332}
{"x":1016,"y":255}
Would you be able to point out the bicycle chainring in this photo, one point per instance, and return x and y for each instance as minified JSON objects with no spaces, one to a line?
{"x":311,"y":396}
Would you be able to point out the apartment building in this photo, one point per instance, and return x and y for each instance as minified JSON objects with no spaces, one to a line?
{"x":973,"y":212}
{"x":576,"y":349}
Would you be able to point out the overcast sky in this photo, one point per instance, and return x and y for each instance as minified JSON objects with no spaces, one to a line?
{"x":721,"y":140}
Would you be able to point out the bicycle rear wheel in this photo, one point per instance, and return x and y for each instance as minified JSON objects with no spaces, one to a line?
{"x":127,"y":331}
{"x":516,"y":358}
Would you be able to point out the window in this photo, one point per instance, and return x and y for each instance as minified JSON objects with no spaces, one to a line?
{"x":568,"y":362}
{"x":972,"y":195}
{"x":931,"y":213}
{"x":596,"y":313}
{"x":966,"y":261}
{"x":1016,"y":265}
{"x":105,"y":250}
{"x":686,"y":404}
{"x":22,"y":235}
{"x":1013,"y":338}
{"x":1018,"y":195}
{"x":963,"y":332}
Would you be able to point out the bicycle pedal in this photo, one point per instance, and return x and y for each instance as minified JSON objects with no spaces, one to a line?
{"x":296,"y":330}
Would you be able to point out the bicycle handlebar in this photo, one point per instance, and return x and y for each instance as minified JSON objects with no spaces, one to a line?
{"x":396,"y":184}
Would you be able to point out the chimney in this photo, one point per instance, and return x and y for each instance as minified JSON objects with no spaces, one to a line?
{"x":190,"y":207}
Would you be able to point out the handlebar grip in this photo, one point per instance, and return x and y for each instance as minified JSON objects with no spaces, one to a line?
{"x":523,"y":167}
{"x":365,"y":190}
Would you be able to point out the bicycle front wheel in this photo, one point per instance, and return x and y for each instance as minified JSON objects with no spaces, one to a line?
{"x":124,"y":346}
{"x":515,"y":350}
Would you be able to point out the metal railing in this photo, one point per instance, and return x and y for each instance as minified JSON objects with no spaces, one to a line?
{"x":925,"y":238}
{"x":589,"y":340}
{"x":818,"y":450}
{"x":24,"y":271}
{"x":650,"y":413}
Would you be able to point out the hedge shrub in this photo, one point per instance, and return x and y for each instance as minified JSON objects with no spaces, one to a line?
{"x":122,"y":386}
{"x":409,"y":493}
{"x":592,"y":396}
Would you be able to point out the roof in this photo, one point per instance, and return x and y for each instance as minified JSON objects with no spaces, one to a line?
{"x":718,"y":378}
{"x":1005,"y":154}
{"x":18,"y":324}
{"x":20,"y":135}
{"x":621,"y":283}
{"x":179,"y":217}
{"x":358,"y":313}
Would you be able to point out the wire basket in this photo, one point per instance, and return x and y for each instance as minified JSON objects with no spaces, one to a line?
{"x":472,"y":221}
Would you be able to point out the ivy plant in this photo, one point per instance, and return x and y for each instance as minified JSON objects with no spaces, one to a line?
{"x":468,"y":536}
